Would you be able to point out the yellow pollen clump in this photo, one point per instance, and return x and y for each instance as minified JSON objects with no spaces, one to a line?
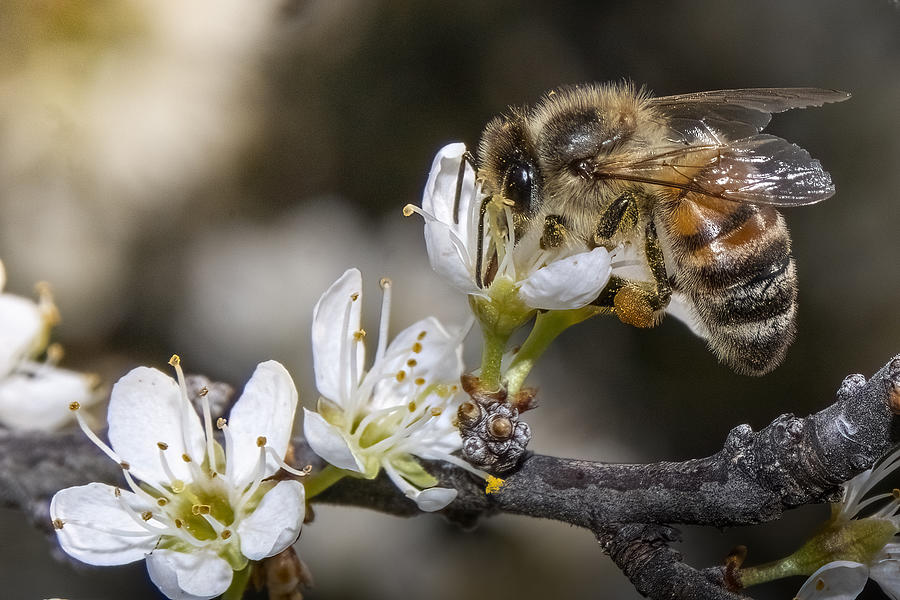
{"x":401,"y":375}
{"x":74,"y":406}
{"x":162,"y":445}
{"x":359,"y":334}
{"x":185,"y":458}
{"x":162,"y":501}
{"x":493,"y":484}
{"x":175,"y":360}
{"x":411,"y":406}
{"x":220,"y":423}
{"x":417,"y":347}
{"x":57,"y":523}
{"x":420,"y":381}
{"x":146,"y":515}
{"x":226,"y":534}
{"x":203,"y":391}
{"x":436,"y":412}
{"x":421,"y":335}
{"x":261,"y":441}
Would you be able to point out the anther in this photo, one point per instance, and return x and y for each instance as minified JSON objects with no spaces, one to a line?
{"x":359,"y":335}
{"x":354,"y":296}
{"x":55,"y":353}
{"x":186,"y":458}
{"x":436,"y":412}
{"x":421,"y":335}
{"x":408,"y":210}
{"x":417,"y":347}
{"x":175,"y":360}
{"x":177,"y":486}
{"x":385,"y":283}
{"x":411,"y":406}
{"x":178,"y":523}
{"x":896,"y":493}
{"x":226,"y":534}
{"x":200,"y":509}
{"x":57,"y":523}
{"x":125,"y":466}
{"x":220,"y":423}
{"x":261,"y":441}
{"x":203,"y":391}
{"x":401,"y":375}
{"x":420,"y":381}
{"x":117,"y":492}
{"x":162,"y":445}
{"x":73,"y":406}
{"x":146,"y":515}
{"x":412,"y":362}
{"x":162,"y":501}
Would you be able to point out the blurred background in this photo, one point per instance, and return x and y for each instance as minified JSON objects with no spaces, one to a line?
{"x":191,"y":175}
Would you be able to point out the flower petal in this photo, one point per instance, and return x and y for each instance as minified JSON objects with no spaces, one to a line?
{"x":39,"y":400}
{"x":449,"y":238}
{"x":426,"y":354}
{"x":20,"y":326}
{"x":682,"y":309}
{"x":97,"y":529}
{"x":266,"y":408}
{"x":838,"y":580}
{"x":198,"y":575}
{"x":327,"y":441}
{"x":886,"y":570}
{"x":434,"y":498}
{"x":276,"y":522}
{"x":336,"y":318}
{"x":146,"y":407}
{"x":570,"y":282}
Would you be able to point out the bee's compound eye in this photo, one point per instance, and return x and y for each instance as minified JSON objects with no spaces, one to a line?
{"x":518,"y":185}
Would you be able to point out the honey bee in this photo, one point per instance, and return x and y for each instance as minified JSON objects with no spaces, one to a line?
{"x":687,"y":185}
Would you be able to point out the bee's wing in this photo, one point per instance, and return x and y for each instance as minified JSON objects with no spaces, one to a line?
{"x":760,"y":169}
{"x":733,"y":114}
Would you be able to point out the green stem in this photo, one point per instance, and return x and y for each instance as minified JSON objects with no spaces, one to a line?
{"x":321,"y":481}
{"x":491,"y":357}
{"x":239,"y":582}
{"x":547,"y":327}
{"x":777,"y":569}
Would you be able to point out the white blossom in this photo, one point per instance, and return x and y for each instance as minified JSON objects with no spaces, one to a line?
{"x":561,"y":278}
{"x":198,"y":513}
{"x":402,"y":406}
{"x":35,"y":395}
{"x":845,"y":579}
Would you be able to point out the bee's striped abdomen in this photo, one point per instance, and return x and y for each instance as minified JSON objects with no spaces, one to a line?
{"x":733,"y":261}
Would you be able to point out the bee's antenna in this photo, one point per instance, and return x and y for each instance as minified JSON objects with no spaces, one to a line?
{"x":479,"y":257}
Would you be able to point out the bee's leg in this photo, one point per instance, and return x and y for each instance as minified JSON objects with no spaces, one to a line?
{"x":637,"y":303}
{"x":620,"y":215}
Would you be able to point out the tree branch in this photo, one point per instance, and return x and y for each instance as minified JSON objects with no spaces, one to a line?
{"x":753,"y":479}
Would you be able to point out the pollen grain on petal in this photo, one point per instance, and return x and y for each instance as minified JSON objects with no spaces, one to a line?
{"x":73,"y":406}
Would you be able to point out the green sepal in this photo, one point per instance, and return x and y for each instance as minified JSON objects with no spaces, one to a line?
{"x":331,"y":412}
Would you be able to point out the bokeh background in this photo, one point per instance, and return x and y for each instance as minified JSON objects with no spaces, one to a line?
{"x":191,"y":174}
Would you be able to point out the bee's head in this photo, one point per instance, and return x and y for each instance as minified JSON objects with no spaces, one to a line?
{"x":508,"y":167}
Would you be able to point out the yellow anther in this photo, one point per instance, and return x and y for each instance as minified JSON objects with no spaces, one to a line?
{"x":178,"y":523}
{"x":417,"y":347}
{"x":73,"y":406}
{"x":162,"y":501}
{"x":493,"y":484}
{"x":411,"y":406}
{"x":226,"y":534}
{"x":412,"y":362}
{"x":436,"y":412}
{"x":421,"y":335}
{"x":420,"y":381}
{"x":401,"y":375}
{"x":162,"y":445}
{"x":146,"y":515}
{"x":203,"y":391}
{"x":57,"y":523}
{"x":261,"y":441}
{"x":177,"y":486}
{"x":117,"y":492}
{"x":896,"y":493}
{"x":221,"y":422}
{"x":175,"y":360}
{"x":359,"y":335}
{"x":200,"y":509}
{"x":408,"y":210}
{"x":385,"y":283}
{"x":125,"y":466}
{"x":186,"y":458}
{"x":354,"y":296}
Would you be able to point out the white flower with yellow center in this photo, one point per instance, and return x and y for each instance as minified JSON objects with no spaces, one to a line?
{"x":562,"y":278}
{"x":198,"y":513}
{"x":402,"y":406}
{"x":35,"y":395}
